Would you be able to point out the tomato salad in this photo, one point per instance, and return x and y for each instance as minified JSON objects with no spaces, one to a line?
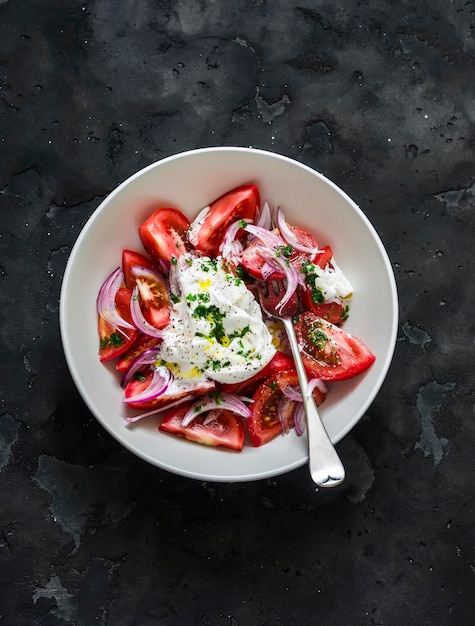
{"x":190,"y":340}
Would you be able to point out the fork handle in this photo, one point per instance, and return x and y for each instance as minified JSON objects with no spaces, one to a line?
{"x":326,"y":468}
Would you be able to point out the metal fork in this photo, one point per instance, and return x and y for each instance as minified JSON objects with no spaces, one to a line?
{"x":326,"y":468}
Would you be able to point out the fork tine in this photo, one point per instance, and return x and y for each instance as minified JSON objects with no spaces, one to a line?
{"x":276,"y":299}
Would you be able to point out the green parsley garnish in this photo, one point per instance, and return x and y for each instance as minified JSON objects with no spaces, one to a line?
{"x":308,"y":270}
{"x":113,"y":341}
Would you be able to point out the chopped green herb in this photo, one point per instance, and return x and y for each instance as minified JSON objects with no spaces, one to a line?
{"x":284,"y":250}
{"x":113,"y":341}
{"x":241,"y":273}
{"x":308,"y":270}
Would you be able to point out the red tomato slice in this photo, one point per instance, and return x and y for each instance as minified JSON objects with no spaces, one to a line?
{"x":142,"y":343}
{"x":240,"y":203}
{"x":142,"y":380}
{"x":280,"y":362}
{"x":323,"y":257}
{"x":226,"y":430}
{"x":328,"y":352}
{"x":154,"y":300}
{"x":131,"y":259}
{"x":264,"y":423}
{"x":253,"y":262}
{"x":332,"y":312}
{"x":153,"y":290}
{"x":113,"y":342}
{"x":164,"y":234}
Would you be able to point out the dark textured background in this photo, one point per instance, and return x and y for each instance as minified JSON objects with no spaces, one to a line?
{"x":378,"y":96}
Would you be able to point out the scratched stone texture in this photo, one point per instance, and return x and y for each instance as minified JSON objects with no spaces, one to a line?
{"x":380,"y":98}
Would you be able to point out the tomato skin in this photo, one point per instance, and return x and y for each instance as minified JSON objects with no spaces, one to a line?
{"x":137,"y":385}
{"x":239,"y":203}
{"x":253,"y":262}
{"x":226,"y":430}
{"x":164,"y":234}
{"x":332,"y":312}
{"x":264,"y":423}
{"x":131,"y":259}
{"x":323,"y":257}
{"x":279,"y":362}
{"x":112,"y":341}
{"x":328,"y":352}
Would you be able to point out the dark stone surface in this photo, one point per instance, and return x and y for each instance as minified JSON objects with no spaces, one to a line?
{"x":379,"y":97}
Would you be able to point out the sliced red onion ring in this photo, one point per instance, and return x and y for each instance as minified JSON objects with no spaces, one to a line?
{"x":284,"y":413}
{"x":196,"y":224}
{"x":139,"y":319}
{"x":287,"y":269}
{"x":161,"y":379}
{"x":147,"y":357}
{"x":267,"y":270}
{"x":227,"y":247}
{"x":293,"y":393}
{"x":212,"y":415}
{"x":289,"y":236}
{"x":221,"y":400}
{"x":265,"y":217}
{"x":267,"y":237}
{"x":164,"y":266}
{"x":299,"y":419}
{"x":160,"y":409}
{"x":106,"y":300}
{"x":315,"y":383}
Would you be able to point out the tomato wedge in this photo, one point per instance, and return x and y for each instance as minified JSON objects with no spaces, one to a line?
{"x":264,"y":423}
{"x":226,"y":430}
{"x":328,"y":352}
{"x":240,"y":203}
{"x":131,"y":259}
{"x":332,"y":312}
{"x":115,"y":341}
{"x":280,"y":362}
{"x":253,"y":263}
{"x":164,"y":234}
{"x":323,"y":257}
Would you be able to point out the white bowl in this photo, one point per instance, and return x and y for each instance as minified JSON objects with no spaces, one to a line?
{"x":189,"y":181}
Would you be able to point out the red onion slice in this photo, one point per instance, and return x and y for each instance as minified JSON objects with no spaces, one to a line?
{"x":265,"y":217}
{"x":287,"y":269}
{"x":289,"y":236}
{"x":196,"y":224}
{"x":221,"y":400}
{"x":106,"y":300}
{"x":212,"y":415}
{"x":160,"y":409}
{"x":316,"y":383}
{"x":161,"y":379}
{"x":147,"y":357}
{"x":227,"y":247}
{"x":139,"y":319}
{"x":299,"y":419}
{"x":293,"y":393}
{"x":267,"y":237}
{"x":284,"y":413}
